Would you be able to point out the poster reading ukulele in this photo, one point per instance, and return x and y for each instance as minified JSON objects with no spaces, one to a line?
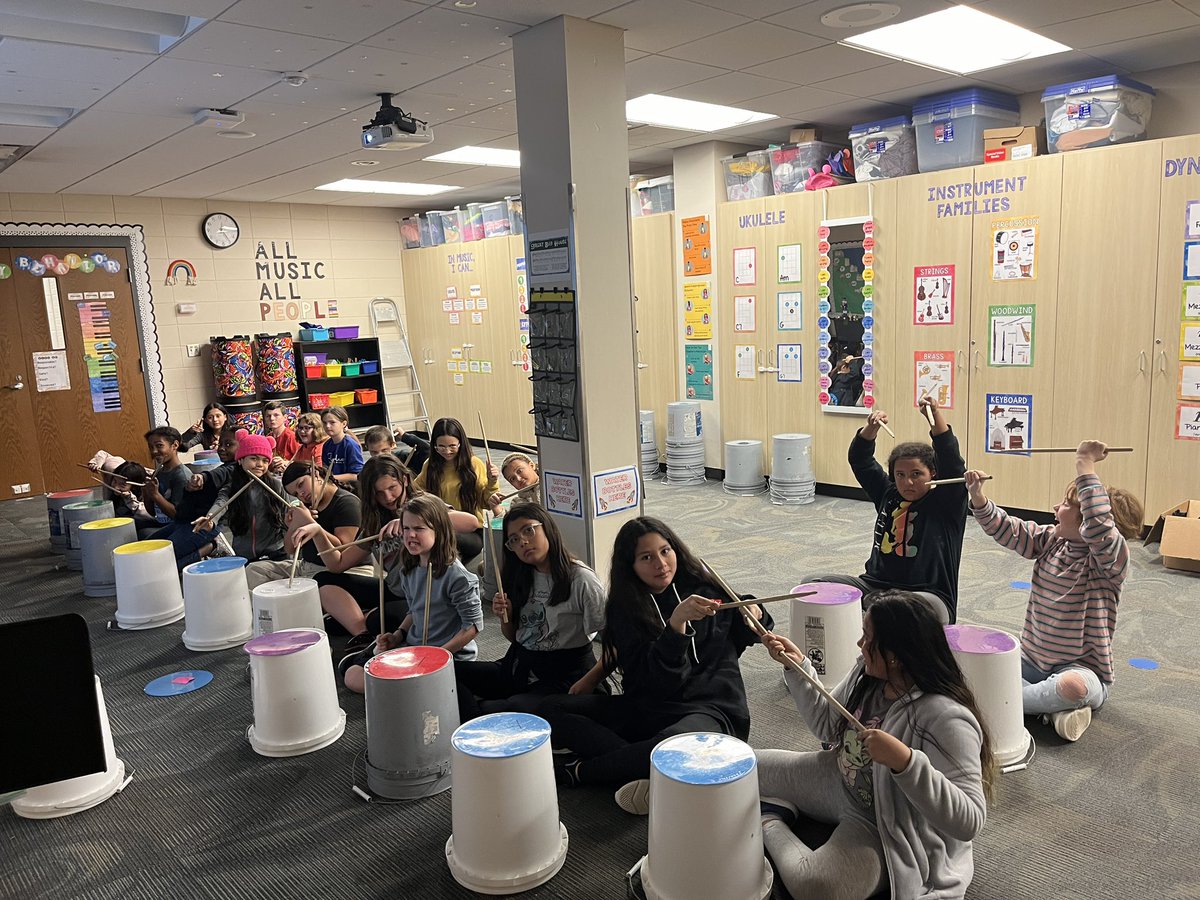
{"x":1009,"y":422}
{"x":934,"y":377}
{"x":1014,"y":249}
{"x":697,"y":246}
{"x":698,"y":358}
{"x":933,"y":295}
{"x":1010,"y":335}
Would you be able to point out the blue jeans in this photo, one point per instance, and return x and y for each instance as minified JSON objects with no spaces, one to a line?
{"x":186,"y":543}
{"x":1039,"y":690}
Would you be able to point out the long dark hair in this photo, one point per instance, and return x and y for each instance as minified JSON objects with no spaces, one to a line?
{"x":518,"y":575}
{"x":628,"y":596}
{"x":241,"y":510}
{"x":905,"y":627}
{"x":469,"y":490}
{"x":432,"y":511}
{"x":210,"y":437}
{"x":374,"y":517}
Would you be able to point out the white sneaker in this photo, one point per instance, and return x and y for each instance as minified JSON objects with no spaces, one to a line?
{"x":1072,"y":723}
{"x":634,"y":797}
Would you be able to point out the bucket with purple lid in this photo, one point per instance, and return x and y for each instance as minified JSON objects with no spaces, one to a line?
{"x":283,"y":643}
{"x":977,"y":639}
{"x":828,"y":592}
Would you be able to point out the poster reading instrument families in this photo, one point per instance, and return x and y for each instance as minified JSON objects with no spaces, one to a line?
{"x":1014,"y":249}
{"x":933,"y":295}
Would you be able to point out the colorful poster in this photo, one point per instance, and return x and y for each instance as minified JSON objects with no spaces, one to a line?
{"x":1014,"y":248}
{"x":1191,"y":220}
{"x":744,"y":365}
{"x":791,"y":264}
{"x":100,"y":354}
{"x":1009,"y":422}
{"x":698,"y":358}
{"x":697,"y":246}
{"x":1189,"y":342}
{"x":615,"y":490}
{"x":744,"y":266}
{"x":563,"y":494}
{"x":1189,"y":381}
{"x":934,"y":377}
{"x":1191,"y":260}
{"x":790,"y":310}
{"x":697,"y":311}
{"x":933,"y":295}
{"x":745,"y":314}
{"x":1010,"y":335}
{"x":1187,"y":422}
{"x":790,"y":367}
{"x":1191,"y":300}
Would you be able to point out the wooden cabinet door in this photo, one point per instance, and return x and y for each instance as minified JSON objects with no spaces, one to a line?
{"x":423,"y":311}
{"x":1105,"y":328}
{"x":1173,"y":463}
{"x":20,"y":459}
{"x":1028,"y":188}
{"x":655,"y":296}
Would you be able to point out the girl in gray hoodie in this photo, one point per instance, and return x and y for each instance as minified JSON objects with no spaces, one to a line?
{"x":907,"y":794}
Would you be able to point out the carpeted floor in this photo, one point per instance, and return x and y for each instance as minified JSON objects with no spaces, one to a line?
{"x":1111,"y":816}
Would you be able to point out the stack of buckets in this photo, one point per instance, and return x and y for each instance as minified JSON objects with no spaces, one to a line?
{"x":685,"y":443}
{"x":744,"y":468}
{"x":649,"y":445}
{"x":792,"y":480}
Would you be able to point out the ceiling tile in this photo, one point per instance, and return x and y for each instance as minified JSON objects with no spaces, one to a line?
{"x":807,"y":16}
{"x":649,"y":157}
{"x":227,"y":44}
{"x":205,"y":9}
{"x":318,"y":94}
{"x":48,"y":92}
{"x":62,"y":62}
{"x":790,"y":103}
{"x":745,"y":46}
{"x":655,"y":25}
{"x":347,"y":20}
{"x":755,"y":9}
{"x":534,"y":12}
{"x":1036,"y":13}
{"x":651,"y":135}
{"x":732,"y":88}
{"x":457,"y":35}
{"x":658,"y":74}
{"x":180,"y":87}
{"x":1159,"y":51}
{"x":24,"y":135}
{"x":371,"y":69}
{"x":842,"y":115}
{"x":888,"y":77}
{"x":477,"y":83}
{"x":819,"y":65}
{"x":1124,"y":24}
{"x":502,"y":117}
{"x":1037,"y":73}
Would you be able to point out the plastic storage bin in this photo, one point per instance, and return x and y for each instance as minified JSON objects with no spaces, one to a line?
{"x":333,"y":370}
{"x":748,"y":175}
{"x":366,"y":395}
{"x":370,"y":366}
{"x":410,"y":232}
{"x":341,"y":398}
{"x":314,"y":371}
{"x":451,"y":226}
{"x":318,"y":401}
{"x":516,"y":214}
{"x":950,"y":126}
{"x":790,"y":164}
{"x":350,"y":369}
{"x":495,"y":219}
{"x":884,"y":149}
{"x":312,"y":358}
{"x":635,"y":204}
{"x":1096,"y":111}
{"x":314,"y":334}
{"x":657,"y":195}
{"x":344,"y":332}
{"x":472,"y":218}
{"x":431,"y":230}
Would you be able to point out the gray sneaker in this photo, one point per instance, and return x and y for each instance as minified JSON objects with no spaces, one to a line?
{"x":1072,"y":723}
{"x":634,"y":797}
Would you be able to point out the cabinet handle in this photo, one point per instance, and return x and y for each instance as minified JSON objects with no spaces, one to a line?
{"x":760,"y":360}
{"x":1141,"y":362}
{"x":640,"y":364}
{"x":977,"y":360}
{"x":1162,"y":361}
{"x":771,"y":362}
{"x":961,"y":357}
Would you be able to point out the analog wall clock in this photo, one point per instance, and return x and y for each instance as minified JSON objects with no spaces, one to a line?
{"x":221,"y":230}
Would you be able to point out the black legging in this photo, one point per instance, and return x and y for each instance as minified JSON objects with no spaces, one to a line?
{"x":615,"y":736}
{"x":470,"y":544}
{"x":509,"y":685}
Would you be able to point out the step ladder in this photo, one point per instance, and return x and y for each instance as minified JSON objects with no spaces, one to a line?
{"x":395,"y":355}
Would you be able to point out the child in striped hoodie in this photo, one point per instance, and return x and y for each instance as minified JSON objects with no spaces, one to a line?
{"x":1080,"y":564}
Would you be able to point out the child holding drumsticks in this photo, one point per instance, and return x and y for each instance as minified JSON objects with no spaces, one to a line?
{"x":1080,"y":564}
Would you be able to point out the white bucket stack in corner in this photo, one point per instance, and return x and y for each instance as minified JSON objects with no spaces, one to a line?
{"x":792,"y":479}
{"x":744,"y":468}
{"x":685,"y":443}
{"x":648,"y":444}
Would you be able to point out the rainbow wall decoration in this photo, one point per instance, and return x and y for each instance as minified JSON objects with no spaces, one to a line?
{"x":175,"y":266}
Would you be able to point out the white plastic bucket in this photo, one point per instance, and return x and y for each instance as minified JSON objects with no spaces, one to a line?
{"x":294,"y":694}
{"x":744,"y":464}
{"x":827,"y":626}
{"x":991,"y":662}
{"x":97,"y":540}
{"x":683,"y":422}
{"x":217,"y":604}
{"x":276,"y":606}
{"x":704,"y":795}
{"x":507,"y":837}
{"x":412,"y":712}
{"x":54,"y":505}
{"x":791,"y":458}
{"x":148,"y":592}
{"x":74,"y":515}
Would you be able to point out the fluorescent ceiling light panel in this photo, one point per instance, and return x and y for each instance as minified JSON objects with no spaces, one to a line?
{"x":688,"y":115}
{"x":480,"y":156}
{"x":405,"y":188}
{"x":958,"y":40}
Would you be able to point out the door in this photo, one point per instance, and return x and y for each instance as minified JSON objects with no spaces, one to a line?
{"x":654,"y":316}
{"x":91,"y":317}
{"x":20,"y":461}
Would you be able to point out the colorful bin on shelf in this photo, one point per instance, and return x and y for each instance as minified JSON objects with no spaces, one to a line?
{"x":452,"y":225}
{"x":247,"y":415}
{"x":473,"y":230}
{"x":344,"y":332}
{"x":431,"y":230}
{"x":233,"y":367}
{"x":314,"y":371}
{"x":341,"y":398}
{"x":370,"y":366}
{"x":410,"y":232}
{"x":333,"y":370}
{"x":312,"y":358}
{"x":350,"y":369}
{"x":318,"y":401}
{"x":366,"y":395}
{"x":516,"y":214}
{"x":495,"y":219}
{"x":314,"y":334}
{"x":276,"y":364}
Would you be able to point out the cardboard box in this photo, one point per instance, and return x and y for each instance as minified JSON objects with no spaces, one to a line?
{"x":1178,"y":532}
{"x":1017,"y":142}
{"x":802,"y":135}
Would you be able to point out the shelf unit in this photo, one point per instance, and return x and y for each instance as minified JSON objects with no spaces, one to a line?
{"x":362,"y":415}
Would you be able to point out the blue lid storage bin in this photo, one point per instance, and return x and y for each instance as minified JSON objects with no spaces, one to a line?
{"x":884,"y":149}
{"x":1096,"y":111}
{"x":950,"y":126}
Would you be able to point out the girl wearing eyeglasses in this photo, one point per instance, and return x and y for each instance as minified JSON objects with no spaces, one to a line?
{"x":553,"y":607}
{"x":310,"y":434}
{"x":455,"y":474}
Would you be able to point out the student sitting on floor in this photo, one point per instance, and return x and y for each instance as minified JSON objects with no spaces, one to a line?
{"x":310,"y":436}
{"x":452,"y":616}
{"x":275,"y":427}
{"x":553,"y":605}
{"x":521,"y":472}
{"x":908,"y":794}
{"x":457,"y":475}
{"x":341,"y":454}
{"x":165,"y":487}
{"x":189,"y":544}
{"x":413,"y":454}
{"x":256,"y":516}
{"x":679,"y":658}
{"x":206,"y":432}
{"x":917,"y":544}
{"x":116,"y":474}
{"x":1080,"y":564}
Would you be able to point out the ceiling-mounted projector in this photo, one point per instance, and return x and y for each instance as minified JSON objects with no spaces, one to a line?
{"x":393,"y":129}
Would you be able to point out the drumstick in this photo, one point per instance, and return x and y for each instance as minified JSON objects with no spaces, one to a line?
{"x":928,"y":414}
{"x":1060,"y":450}
{"x":428,"y":600}
{"x":487,"y":451}
{"x":224,"y":506}
{"x":365,"y":540}
{"x":379,"y":574}
{"x":751,"y":602}
{"x":130,"y":483}
{"x":795,"y":664}
{"x":517,"y":493}
{"x":884,"y":426}
{"x":288,"y":503}
{"x":496,"y":561}
{"x":532,"y":450}
{"x":956,"y":480}
{"x":104,"y":474}
{"x":295,"y":562}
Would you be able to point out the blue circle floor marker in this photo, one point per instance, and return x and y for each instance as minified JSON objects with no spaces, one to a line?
{"x":178,"y":683}
{"x":1139,"y":662}
{"x":1020,"y":585}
